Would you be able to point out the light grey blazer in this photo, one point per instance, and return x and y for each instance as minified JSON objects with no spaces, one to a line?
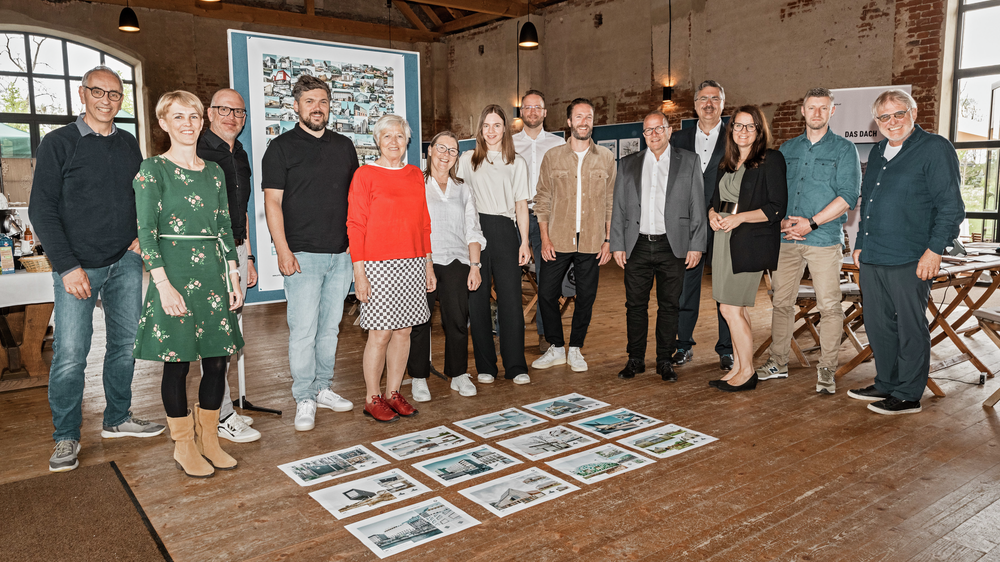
{"x":684,"y":213}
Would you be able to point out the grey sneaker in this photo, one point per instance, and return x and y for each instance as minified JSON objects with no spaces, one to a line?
{"x":64,"y":457}
{"x":132,"y":427}
{"x":826,"y":383}
{"x":772,"y":370}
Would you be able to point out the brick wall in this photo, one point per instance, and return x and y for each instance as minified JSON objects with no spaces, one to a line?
{"x":919,"y":50}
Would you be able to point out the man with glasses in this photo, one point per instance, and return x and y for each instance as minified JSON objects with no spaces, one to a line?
{"x":707,"y":140}
{"x":532,"y":143}
{"x":575,"y":189}
{"x":83,"y":209}
{"x":307,"y":174}
{"x":226,"y":116}
{"x":659,"y":227}
{"x":824,"y":180}
{"x":911,"y":210}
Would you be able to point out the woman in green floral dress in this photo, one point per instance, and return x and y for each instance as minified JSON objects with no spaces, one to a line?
{"x":189,"y":313}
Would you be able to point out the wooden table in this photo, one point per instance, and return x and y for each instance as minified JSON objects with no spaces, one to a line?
{"x":962,"y":274}
{"x":27,"y":299}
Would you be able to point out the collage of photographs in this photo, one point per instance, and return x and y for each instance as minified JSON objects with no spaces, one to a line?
{"x":640,"y":440}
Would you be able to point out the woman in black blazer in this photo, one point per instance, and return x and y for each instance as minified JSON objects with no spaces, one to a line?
{"x":747,"y":207}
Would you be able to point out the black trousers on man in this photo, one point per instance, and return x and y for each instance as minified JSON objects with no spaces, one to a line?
{"x":453,"y":294}
{"x":501,"y":271}
{"x":588,"y":273}
{"x":652,"y":260}
{"x":690,"y":305}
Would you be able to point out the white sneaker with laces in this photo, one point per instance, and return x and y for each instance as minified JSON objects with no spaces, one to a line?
{"x":523,"y":378}
{"x":420,"y":391}
{"x":553,"y":356}
{"x":485,"y":378}
{"x":305,"y":415}
{"x":575,"y":360}
{"x":463,"y":385}
{"x":236,"y":430}
{"x":246,"y":419}
{"x":332,"y":401}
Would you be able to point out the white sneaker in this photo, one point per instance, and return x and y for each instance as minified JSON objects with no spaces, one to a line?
{"x":305,"y":415}
{"x":246,"y":419}
{"x":575,"y":360}
{"x":332,"y":401}
{"x":553,"y":356}
{"x":523,"y":378}
{"x":420,"y":391}
{"x":236,"y":430}
{"x":463,"y":385}
{"x":485,"y":378}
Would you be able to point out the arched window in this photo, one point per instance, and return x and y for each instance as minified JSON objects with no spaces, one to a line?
{"x":39,"y":80}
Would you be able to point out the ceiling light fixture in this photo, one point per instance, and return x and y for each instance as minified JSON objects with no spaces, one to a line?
{"x":127,"y":20}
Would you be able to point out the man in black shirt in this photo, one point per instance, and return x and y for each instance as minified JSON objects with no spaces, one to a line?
{"x":307,"y":174}
{"x":226,"y":116}
{"x":83,"y":209}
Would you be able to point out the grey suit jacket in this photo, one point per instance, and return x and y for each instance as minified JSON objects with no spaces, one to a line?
{"x":684,"y":213}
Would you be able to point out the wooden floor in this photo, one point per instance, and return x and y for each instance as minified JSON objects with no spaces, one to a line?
{"x":794,"y":475}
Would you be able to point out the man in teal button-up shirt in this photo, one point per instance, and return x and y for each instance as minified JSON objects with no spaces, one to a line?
{"x":824,"y":179}
{"x":911,"y":209}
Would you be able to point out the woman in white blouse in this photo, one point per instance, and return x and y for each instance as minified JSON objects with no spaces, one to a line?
{"x":499,"y":181}
{"x":456,"y":244}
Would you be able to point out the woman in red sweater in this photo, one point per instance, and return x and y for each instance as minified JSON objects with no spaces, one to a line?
{"x":390,"y":238}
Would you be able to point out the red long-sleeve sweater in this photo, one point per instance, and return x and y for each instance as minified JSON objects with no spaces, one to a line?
{"x":387,"y":216}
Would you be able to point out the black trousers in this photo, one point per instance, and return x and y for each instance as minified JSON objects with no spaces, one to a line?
{"x":652,"y":261}
{"x":453,"y":294}
{"x":500,"y":269}
{"x":691,"y":304}
{"x":588,"y":273}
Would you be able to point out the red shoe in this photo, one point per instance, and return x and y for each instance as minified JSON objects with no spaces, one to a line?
{"x":379,"y":410}
{"x":398,"y":403}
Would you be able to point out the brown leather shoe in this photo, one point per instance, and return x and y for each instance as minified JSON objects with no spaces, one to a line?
{"x":398,"y":403}
{"x":379,"y":410}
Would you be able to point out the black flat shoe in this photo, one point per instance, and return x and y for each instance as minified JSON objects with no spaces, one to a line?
{"x":631,"y":368}
{"x":715,"y":383}
{"x":749,"y":385}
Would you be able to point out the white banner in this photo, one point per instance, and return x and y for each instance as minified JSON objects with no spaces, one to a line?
{"x":853,"y":119}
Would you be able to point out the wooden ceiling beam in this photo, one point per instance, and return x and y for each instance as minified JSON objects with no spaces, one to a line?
{"x":455,"y":14}
{"x":263,"y":16}
{"x":409,"y":14}
{"x":465,"y":22}
{"x":506,"y":8}
{"x":431,"y":14}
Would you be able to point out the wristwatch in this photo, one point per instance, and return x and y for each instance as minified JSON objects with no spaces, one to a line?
{"x":252,"y":258}
{"x":607,"y":240}
{"x":476,"y":264}
{"x":813,"y":224}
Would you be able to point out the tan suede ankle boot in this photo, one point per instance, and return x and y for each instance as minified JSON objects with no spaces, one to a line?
{"x":186,"y":452}
{"x":207,"y":431}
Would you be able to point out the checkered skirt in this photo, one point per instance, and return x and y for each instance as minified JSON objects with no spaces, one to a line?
{"x":399,"y":294}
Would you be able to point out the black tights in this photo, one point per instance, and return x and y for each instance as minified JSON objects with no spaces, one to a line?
{"x":173,"y":387}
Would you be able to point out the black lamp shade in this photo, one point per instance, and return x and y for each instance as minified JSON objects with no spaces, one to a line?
{"x":668,"y":93}
{"x":528,"y":36}
{"x":127,"y":21}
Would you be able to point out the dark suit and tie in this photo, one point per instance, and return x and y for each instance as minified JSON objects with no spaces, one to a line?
{"x":655,"y":241}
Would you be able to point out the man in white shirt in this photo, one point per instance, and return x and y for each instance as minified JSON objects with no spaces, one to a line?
{"x":531,"y":144}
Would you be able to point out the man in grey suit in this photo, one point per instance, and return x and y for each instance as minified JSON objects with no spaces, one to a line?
{"x":659,"y":227}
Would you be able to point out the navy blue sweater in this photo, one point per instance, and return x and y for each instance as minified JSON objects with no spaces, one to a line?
{"x":82,"y":203}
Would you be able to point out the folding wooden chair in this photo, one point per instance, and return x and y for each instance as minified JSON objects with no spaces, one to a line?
{"x":989,"y":322}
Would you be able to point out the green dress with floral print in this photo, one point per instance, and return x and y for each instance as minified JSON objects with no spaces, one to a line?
{"x":171,"y":200}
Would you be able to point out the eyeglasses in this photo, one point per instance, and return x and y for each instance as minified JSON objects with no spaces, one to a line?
{"x":532,"y":107}
{"x":749,"y":127}
{"x":703,"y":99}
{"x":443,"y":149}
{"x":224,"y":110}
{"x":98,"y":93}
{"x":898,"y":115}
{"x":659,"y":130}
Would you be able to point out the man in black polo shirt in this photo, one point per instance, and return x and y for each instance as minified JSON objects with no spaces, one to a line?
{"x":83,"y":209}
{"x":226,"y":117}
{"x":307,"y":175}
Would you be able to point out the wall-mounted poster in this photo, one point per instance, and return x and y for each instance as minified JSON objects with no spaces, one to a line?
{"x":365,"y":84}
{"x":627,"y":146}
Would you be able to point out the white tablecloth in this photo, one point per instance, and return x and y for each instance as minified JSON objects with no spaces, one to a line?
{"x":26,"y":288}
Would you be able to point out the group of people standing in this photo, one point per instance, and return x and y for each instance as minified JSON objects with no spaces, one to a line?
{"x":458,"y":233}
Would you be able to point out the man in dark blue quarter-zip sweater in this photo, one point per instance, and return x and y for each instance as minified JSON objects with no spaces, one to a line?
{"x":911,"y":209}
{"x":83,"y":209}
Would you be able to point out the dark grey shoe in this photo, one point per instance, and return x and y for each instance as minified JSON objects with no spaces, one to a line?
{"x":64,"y":458}
{"x":682,"y":356}
{"x":132,"y":427}
{"x":867,"y":393}
{"x":631,"y":368}
{"x":893,"y":406}
{"x":666,"y":371}
{"x":726,"y":362}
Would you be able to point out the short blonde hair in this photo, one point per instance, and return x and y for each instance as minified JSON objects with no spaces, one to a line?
{"x":898,"y":96}
{"x":182,"y":97}
{"x":390,"y":120}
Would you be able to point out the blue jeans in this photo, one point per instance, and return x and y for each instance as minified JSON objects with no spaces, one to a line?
{"x":120,"y":288}
{"x":315,"y":306}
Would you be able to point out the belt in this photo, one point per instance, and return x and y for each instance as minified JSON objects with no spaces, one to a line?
{"x":653,"y":237}
{"x":220,"y":245}
{"x":729,"y":207}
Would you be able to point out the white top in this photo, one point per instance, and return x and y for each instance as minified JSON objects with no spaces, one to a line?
{"x":891,"y":151}
{"x":495,"y":186}
{"x":654,"y":192}
{"x":532,"y":150}
{"x":454,"y":221}
{"x":579,"y":185}
{"x":704,"y":145}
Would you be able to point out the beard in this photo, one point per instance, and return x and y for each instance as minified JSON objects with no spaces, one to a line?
{"x":307,"y":121}
{"x":817,"y":127}
{"x":532,"y":124}
{"x":578,"y":136}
